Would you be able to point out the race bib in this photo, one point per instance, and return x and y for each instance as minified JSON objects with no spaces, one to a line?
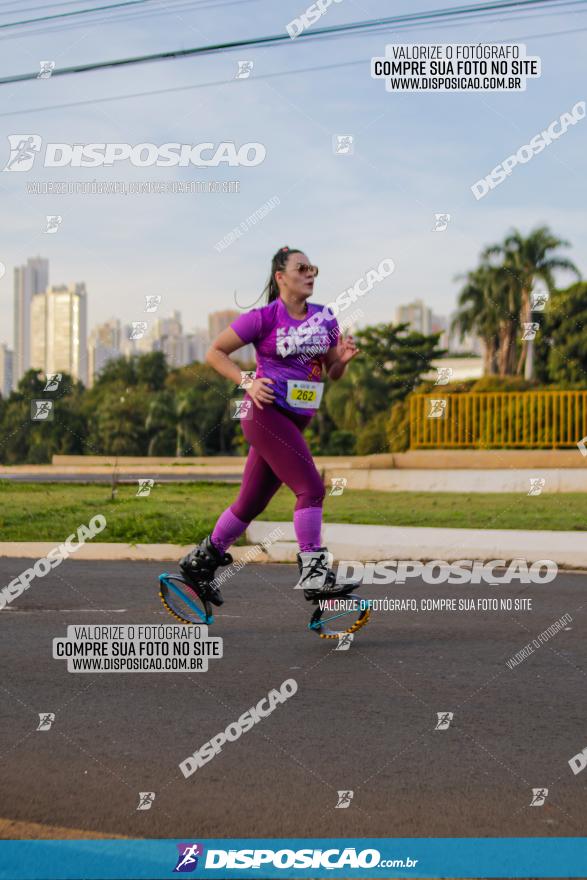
{"x":304,"y":395}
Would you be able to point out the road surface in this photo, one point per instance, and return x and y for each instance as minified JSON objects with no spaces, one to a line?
{"x":121,"y":478}
{"x":363,"y":720}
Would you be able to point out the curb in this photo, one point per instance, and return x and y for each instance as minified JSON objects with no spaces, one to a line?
{"x":120,"y":552}
{"x":369,"y":543}
{"x":362,"y":543}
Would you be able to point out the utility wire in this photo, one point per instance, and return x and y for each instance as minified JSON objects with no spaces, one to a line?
{"x":12,"y":24}
{"x":177,"y":6}
{"x":333,"y":30}
{"x":163,"y":7}
{"x":95,"y":10}
{"x":224,"y":82}
{"x":125,"y":3}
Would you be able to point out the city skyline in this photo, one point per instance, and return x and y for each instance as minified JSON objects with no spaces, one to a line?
{"x":51,"y":329}
{"x":57,"y":343}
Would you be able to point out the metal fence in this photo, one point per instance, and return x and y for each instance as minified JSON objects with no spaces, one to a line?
{"x":515,"y":419}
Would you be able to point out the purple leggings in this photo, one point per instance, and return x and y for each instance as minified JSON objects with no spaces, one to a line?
{"x":278,"y":454}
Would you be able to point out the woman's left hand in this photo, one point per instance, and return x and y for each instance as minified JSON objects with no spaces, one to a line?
{"x":346,"y":349}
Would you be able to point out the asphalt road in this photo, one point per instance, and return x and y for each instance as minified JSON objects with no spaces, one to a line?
{"x":362,"y":720}
{"x":121,"y":478}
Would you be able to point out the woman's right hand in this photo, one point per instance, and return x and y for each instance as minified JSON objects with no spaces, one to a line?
{"x":261,"y":391}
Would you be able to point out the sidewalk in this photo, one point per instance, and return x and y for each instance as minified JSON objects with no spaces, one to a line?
{"x":363,"y":543}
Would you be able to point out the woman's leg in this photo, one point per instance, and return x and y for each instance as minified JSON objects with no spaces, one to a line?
{"x":259,"y":485}
{"x":277,"y":438}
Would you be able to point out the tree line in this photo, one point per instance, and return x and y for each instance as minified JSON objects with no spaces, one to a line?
{"x":139,"y":406}
{"x":495,"y":303}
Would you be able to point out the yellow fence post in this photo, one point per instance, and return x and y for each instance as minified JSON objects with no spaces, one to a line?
{"x":500,"y":419}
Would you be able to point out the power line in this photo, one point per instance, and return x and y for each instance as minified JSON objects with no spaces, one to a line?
{"x":27,"y":24}
{"x":175,"y":6}
{"x":126,"y":3}
{"x":501,"y":5}
{"x":20,"y":8}
{"x":12,"y":24}
{"x":163,"y":7}
{"x":224,"y":82}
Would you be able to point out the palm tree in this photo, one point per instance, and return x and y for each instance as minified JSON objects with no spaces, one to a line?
{"x":527,"y":260}
{"x":172,"y":421}
{"x":486,"y":307}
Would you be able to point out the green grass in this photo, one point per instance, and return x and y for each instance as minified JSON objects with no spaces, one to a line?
{"x":183,"y":514}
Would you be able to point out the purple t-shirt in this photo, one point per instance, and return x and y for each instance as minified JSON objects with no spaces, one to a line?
{"x":287,"y":348}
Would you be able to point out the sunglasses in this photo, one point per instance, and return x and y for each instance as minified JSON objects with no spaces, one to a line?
{"x":304,"y":268}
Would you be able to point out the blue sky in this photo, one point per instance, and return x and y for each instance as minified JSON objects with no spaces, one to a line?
{"x":415,"y":154}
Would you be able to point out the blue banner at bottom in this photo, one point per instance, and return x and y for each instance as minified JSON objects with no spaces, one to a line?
{"x":294,"y":857}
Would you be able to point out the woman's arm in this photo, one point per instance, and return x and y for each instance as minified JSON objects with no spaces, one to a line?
{"x":218,"y":355}
{"x":338,"y":357}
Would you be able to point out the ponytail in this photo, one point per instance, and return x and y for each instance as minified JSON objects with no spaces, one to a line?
{"x":278,"y":264}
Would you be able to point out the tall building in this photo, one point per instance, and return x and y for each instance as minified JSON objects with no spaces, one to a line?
{"x":59,"y":331}
{"x":29,"y":280}
{"x":439,"y":324}
{"x":166,"y":335}
{"x":417,"y":315}
{"x":198,"y":342}
{"x":128,"y":345}
{"x":6,"y":368}
{"x":38,"y":331}
{"x":104,"y":345}
{"x":219,"y":321}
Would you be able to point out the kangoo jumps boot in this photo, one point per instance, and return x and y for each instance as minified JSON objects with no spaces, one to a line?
{"x":198,"y":568}
{"x":316,"y":576}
